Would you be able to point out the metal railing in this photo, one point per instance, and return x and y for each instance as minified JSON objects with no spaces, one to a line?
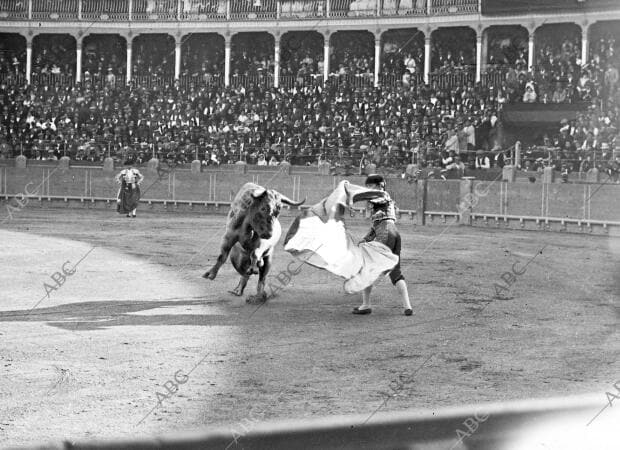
{"x":361,"y":80}
{"x":13,"y":79}
{"x":394,"y":80}
{"x":264,"y":9}
{"x":94,"y":148}
{"x":212,"y":10}
{"x":216,"y":10}
{"x":55,"y":9}
{"x":13,"y":9}
{"x":49,"y":79}
{"x":147,"y":81}
{"x":494,"y":75}
{"x":208,"y":80}
{"x":290,"y":81}
{"x":356,"y":8}
{"x":365,"y":80}
{"x":300,"y":9}
{"x":441,"y":79}
{"x":404,"y":8}
{"x":164,"y":10}
{"x":456,"y":78}
{"x":262,"y":79}
{"x":151,"y":80}
{"x":105,"y":10}
{"x":446,"y":7}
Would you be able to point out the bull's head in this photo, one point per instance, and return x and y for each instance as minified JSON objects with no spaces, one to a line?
{"x":265,"y":208}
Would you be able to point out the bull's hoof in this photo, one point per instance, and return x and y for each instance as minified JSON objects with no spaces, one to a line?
{"x":256,"y":299}
{"x":210,"y":275}
{"x":238,"y":292}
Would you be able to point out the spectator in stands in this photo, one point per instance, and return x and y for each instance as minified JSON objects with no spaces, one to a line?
{"x":447,"y":160}
{"x":470,"y":132}
{"x":611,"y":78}
{"x":452,"y":141}
{"x":530,"y":93}
{"x":559,"y":94}
{"x":482,"y":161}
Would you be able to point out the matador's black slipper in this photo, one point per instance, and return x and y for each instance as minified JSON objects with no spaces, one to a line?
{"x":357,"y":310}
{"x":408,"y":312}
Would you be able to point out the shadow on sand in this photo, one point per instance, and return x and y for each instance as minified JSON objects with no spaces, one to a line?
{"x":100,"y":315}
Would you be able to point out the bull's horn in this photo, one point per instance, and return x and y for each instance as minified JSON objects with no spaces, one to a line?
{"x":288,"y":201}
{"x":259,"y":192}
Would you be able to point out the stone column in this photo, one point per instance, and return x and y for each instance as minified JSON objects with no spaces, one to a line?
{"x":485,"y":48}
{"x":78,"y":62}
{"x":530,"y":51}
{"x":129,"y":60}
{"x":276,"y":59}
{"x":227,"y":41}
{"x":177,"y":57}
{"x":29,"y":58}
{"x":377,"y":57}
{"x":326,"y":37}
{"x":427,"y":57}
{"x":585,"y":29}
{"x":478,"y":56}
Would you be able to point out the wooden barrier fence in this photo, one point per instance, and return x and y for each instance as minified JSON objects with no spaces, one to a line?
{"x":592,"y":208}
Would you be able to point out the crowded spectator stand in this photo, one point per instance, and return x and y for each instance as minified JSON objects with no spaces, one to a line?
{"x":350,"y":120}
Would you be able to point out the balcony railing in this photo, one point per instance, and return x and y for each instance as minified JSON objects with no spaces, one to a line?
{"x":446,"y":7}
{"x":265,"y":80}
{"x":114,"y":10}
{"x":453,"y":77}
{"x":303,"y":9}
{"x":356,"y":8}
{"x":225,"y":10}
{"x":204,"y":11}
{"x":404,"y":8}
{"x":263,"y":9}
{"x":54,"y":9}
{"x":13,"y":9}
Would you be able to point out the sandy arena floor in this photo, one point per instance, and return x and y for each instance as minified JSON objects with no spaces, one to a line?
{"x":89,"y":359}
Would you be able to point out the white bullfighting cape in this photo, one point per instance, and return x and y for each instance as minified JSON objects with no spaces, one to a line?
{"x":321,"y":240}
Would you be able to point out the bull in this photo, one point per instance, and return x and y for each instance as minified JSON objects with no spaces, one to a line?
{"x":252,"y":232}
